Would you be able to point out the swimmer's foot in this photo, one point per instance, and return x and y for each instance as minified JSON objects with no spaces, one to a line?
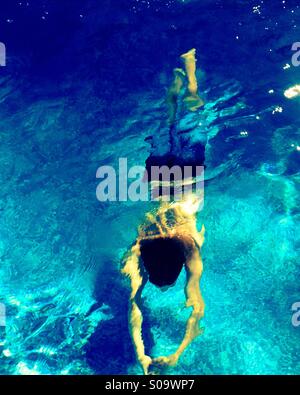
{"x":189,"y":55}
{"x":179,"y":73}
{"x":179,"y":77}
{"x":193,"y":102}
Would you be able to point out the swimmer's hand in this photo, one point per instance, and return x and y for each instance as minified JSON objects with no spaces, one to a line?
{"x":145,"y":362}
{"x":170,"y":360}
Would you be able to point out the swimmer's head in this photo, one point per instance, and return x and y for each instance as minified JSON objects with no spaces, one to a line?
{"x":163,"y":259}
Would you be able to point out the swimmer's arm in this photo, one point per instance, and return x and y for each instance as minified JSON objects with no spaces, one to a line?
{"x":194,"y":300}
{"x":132,"y":270}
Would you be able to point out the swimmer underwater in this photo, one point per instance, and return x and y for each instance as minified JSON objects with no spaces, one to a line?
{"x":169,"y":239}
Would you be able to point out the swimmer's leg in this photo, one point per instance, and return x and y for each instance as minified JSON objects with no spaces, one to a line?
{"x":192,"y":99}
{"x":173,"y":93}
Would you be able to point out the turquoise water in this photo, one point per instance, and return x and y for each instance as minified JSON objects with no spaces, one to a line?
{"x":89,"y":90}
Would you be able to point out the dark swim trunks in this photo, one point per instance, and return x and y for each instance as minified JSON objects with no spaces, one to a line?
{"x":181,"y":144}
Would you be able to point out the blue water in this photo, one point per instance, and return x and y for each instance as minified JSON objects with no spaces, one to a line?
{"x":84,"y":85}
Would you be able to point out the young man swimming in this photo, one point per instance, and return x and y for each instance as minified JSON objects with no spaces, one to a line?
{"x":169,"y":240}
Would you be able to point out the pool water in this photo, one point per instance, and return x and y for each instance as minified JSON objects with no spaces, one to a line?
{"x":84,"y":85}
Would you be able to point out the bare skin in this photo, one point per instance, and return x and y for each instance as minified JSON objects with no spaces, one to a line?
{"x":191,"y":100}
{"x":173,"y":92}
{"x":185,"y":229}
